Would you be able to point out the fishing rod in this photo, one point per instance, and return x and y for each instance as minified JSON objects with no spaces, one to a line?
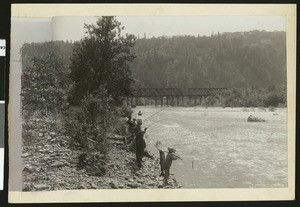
{"x":154,"y":114}
{"x":168,"y":152}
{"x":174,"y":155}
{"x":178,"y":157}
{"x":154,"y":123}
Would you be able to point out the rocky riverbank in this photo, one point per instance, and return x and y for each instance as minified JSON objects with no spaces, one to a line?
{"x":50,"y":165}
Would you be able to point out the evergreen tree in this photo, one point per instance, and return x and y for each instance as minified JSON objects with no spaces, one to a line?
{"x":40,"y":85}
{"x":102,"y":59}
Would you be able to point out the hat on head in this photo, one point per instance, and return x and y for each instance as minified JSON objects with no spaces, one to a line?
{"x":139,"y":121}
{"x":171,"y":150}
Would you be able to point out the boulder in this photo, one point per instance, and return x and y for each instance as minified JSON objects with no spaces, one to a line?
{"x":94,"y":186}
{"x":114,"y":184}
{"x":160,"y":185}
{"x":255,"y":119}
{"x":27,"y":187}
{"x":41,"y":187}
{"x":57,"y":164}
{"x":141,"y":181}
{"x":133,"y":185}
{"x":151,"y":183}
{"x":52,"y":133}
{"x":29,"y":169}
{"x":24,"y":155}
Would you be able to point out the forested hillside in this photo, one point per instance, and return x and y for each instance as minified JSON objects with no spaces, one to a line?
{"x":240,"y":59}
{"x":251,"y":62}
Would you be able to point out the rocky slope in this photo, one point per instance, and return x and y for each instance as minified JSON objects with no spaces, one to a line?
{"x":49,"y":165}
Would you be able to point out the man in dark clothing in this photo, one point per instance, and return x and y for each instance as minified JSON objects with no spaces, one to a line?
{"x":165,"y":162}
{"x":132,"y":131}
{"x":131,"y":128}
{"x":140,"y":143}
{"x":168,"y":162}
{"x":140,"y":113}
{"x":129,"y":122}
{"x":162,"y":159}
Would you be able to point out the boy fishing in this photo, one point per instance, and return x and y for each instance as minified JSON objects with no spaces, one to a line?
{"x":166,"y":162}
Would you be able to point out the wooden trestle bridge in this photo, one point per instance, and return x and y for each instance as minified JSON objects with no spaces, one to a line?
{"x":171,"y":96}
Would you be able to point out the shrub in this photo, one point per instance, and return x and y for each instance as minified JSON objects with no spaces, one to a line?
{"x":86,"y":124}
{"x":93,"y":162}
{"x":273,"y":99}
{"x":41,"y":86}
{"x":141,"y":102}
{"x":124,"y":111}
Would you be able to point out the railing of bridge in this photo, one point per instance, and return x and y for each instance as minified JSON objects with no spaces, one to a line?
{"x":159,"y":92}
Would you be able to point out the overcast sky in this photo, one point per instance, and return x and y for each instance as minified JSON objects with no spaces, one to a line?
{"x":71,"y":28}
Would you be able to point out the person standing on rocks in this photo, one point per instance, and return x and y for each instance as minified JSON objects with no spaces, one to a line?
{"x":140,"y":143}
{"x":168,"y":162}
{"x":131,"y":128}
{"x":131,"y":140}
{"x":130,"y":124}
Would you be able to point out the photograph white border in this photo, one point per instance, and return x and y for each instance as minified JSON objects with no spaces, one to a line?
{"x":162,"y":195}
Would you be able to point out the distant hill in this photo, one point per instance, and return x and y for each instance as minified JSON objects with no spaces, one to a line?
{"x":240,"y":59}
{"x":253,"y":63}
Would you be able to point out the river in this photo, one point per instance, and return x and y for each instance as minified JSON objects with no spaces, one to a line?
{"x":220,"y":149}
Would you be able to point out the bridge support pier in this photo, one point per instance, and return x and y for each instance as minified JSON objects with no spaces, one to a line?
{"x":167,"y":104}
{"x":177,"y":101}
{"x":162,"y":101}
{"x":155,"y":99}
{"x":133,"y":102}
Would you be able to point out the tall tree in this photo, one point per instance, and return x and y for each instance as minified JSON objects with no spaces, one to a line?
{"x":102,"y":59}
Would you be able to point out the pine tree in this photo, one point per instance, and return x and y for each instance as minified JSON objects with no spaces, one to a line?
{"x":102,"y":59}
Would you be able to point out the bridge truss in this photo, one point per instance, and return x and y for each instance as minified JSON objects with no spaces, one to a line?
{"x":172,"y":96}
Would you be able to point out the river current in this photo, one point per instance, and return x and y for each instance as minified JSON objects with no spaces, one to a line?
{"x":219,"y":148}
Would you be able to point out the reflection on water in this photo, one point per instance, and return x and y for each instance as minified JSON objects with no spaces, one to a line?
{"x":220,"y":149}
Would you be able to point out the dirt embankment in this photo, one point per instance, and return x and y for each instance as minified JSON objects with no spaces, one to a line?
{"x":49,"y":165}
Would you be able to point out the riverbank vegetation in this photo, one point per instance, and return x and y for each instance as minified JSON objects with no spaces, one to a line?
{"x":82,"y":90}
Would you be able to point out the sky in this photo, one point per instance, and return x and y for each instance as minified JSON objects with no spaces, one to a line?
{"x":72,"y":28}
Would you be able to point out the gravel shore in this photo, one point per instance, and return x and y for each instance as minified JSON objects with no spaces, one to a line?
{"x":49,"y":165}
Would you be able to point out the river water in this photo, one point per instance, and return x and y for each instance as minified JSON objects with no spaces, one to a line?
{"x":220,"y":149}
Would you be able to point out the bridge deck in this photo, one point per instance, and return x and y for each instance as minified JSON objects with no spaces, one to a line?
{"x":165,"y":92}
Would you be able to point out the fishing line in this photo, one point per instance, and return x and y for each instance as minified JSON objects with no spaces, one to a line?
{"x":155,"y":123}
{"x":154,"y":114}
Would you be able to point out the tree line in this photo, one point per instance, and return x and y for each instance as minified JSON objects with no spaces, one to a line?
{"x":227,"y":60}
